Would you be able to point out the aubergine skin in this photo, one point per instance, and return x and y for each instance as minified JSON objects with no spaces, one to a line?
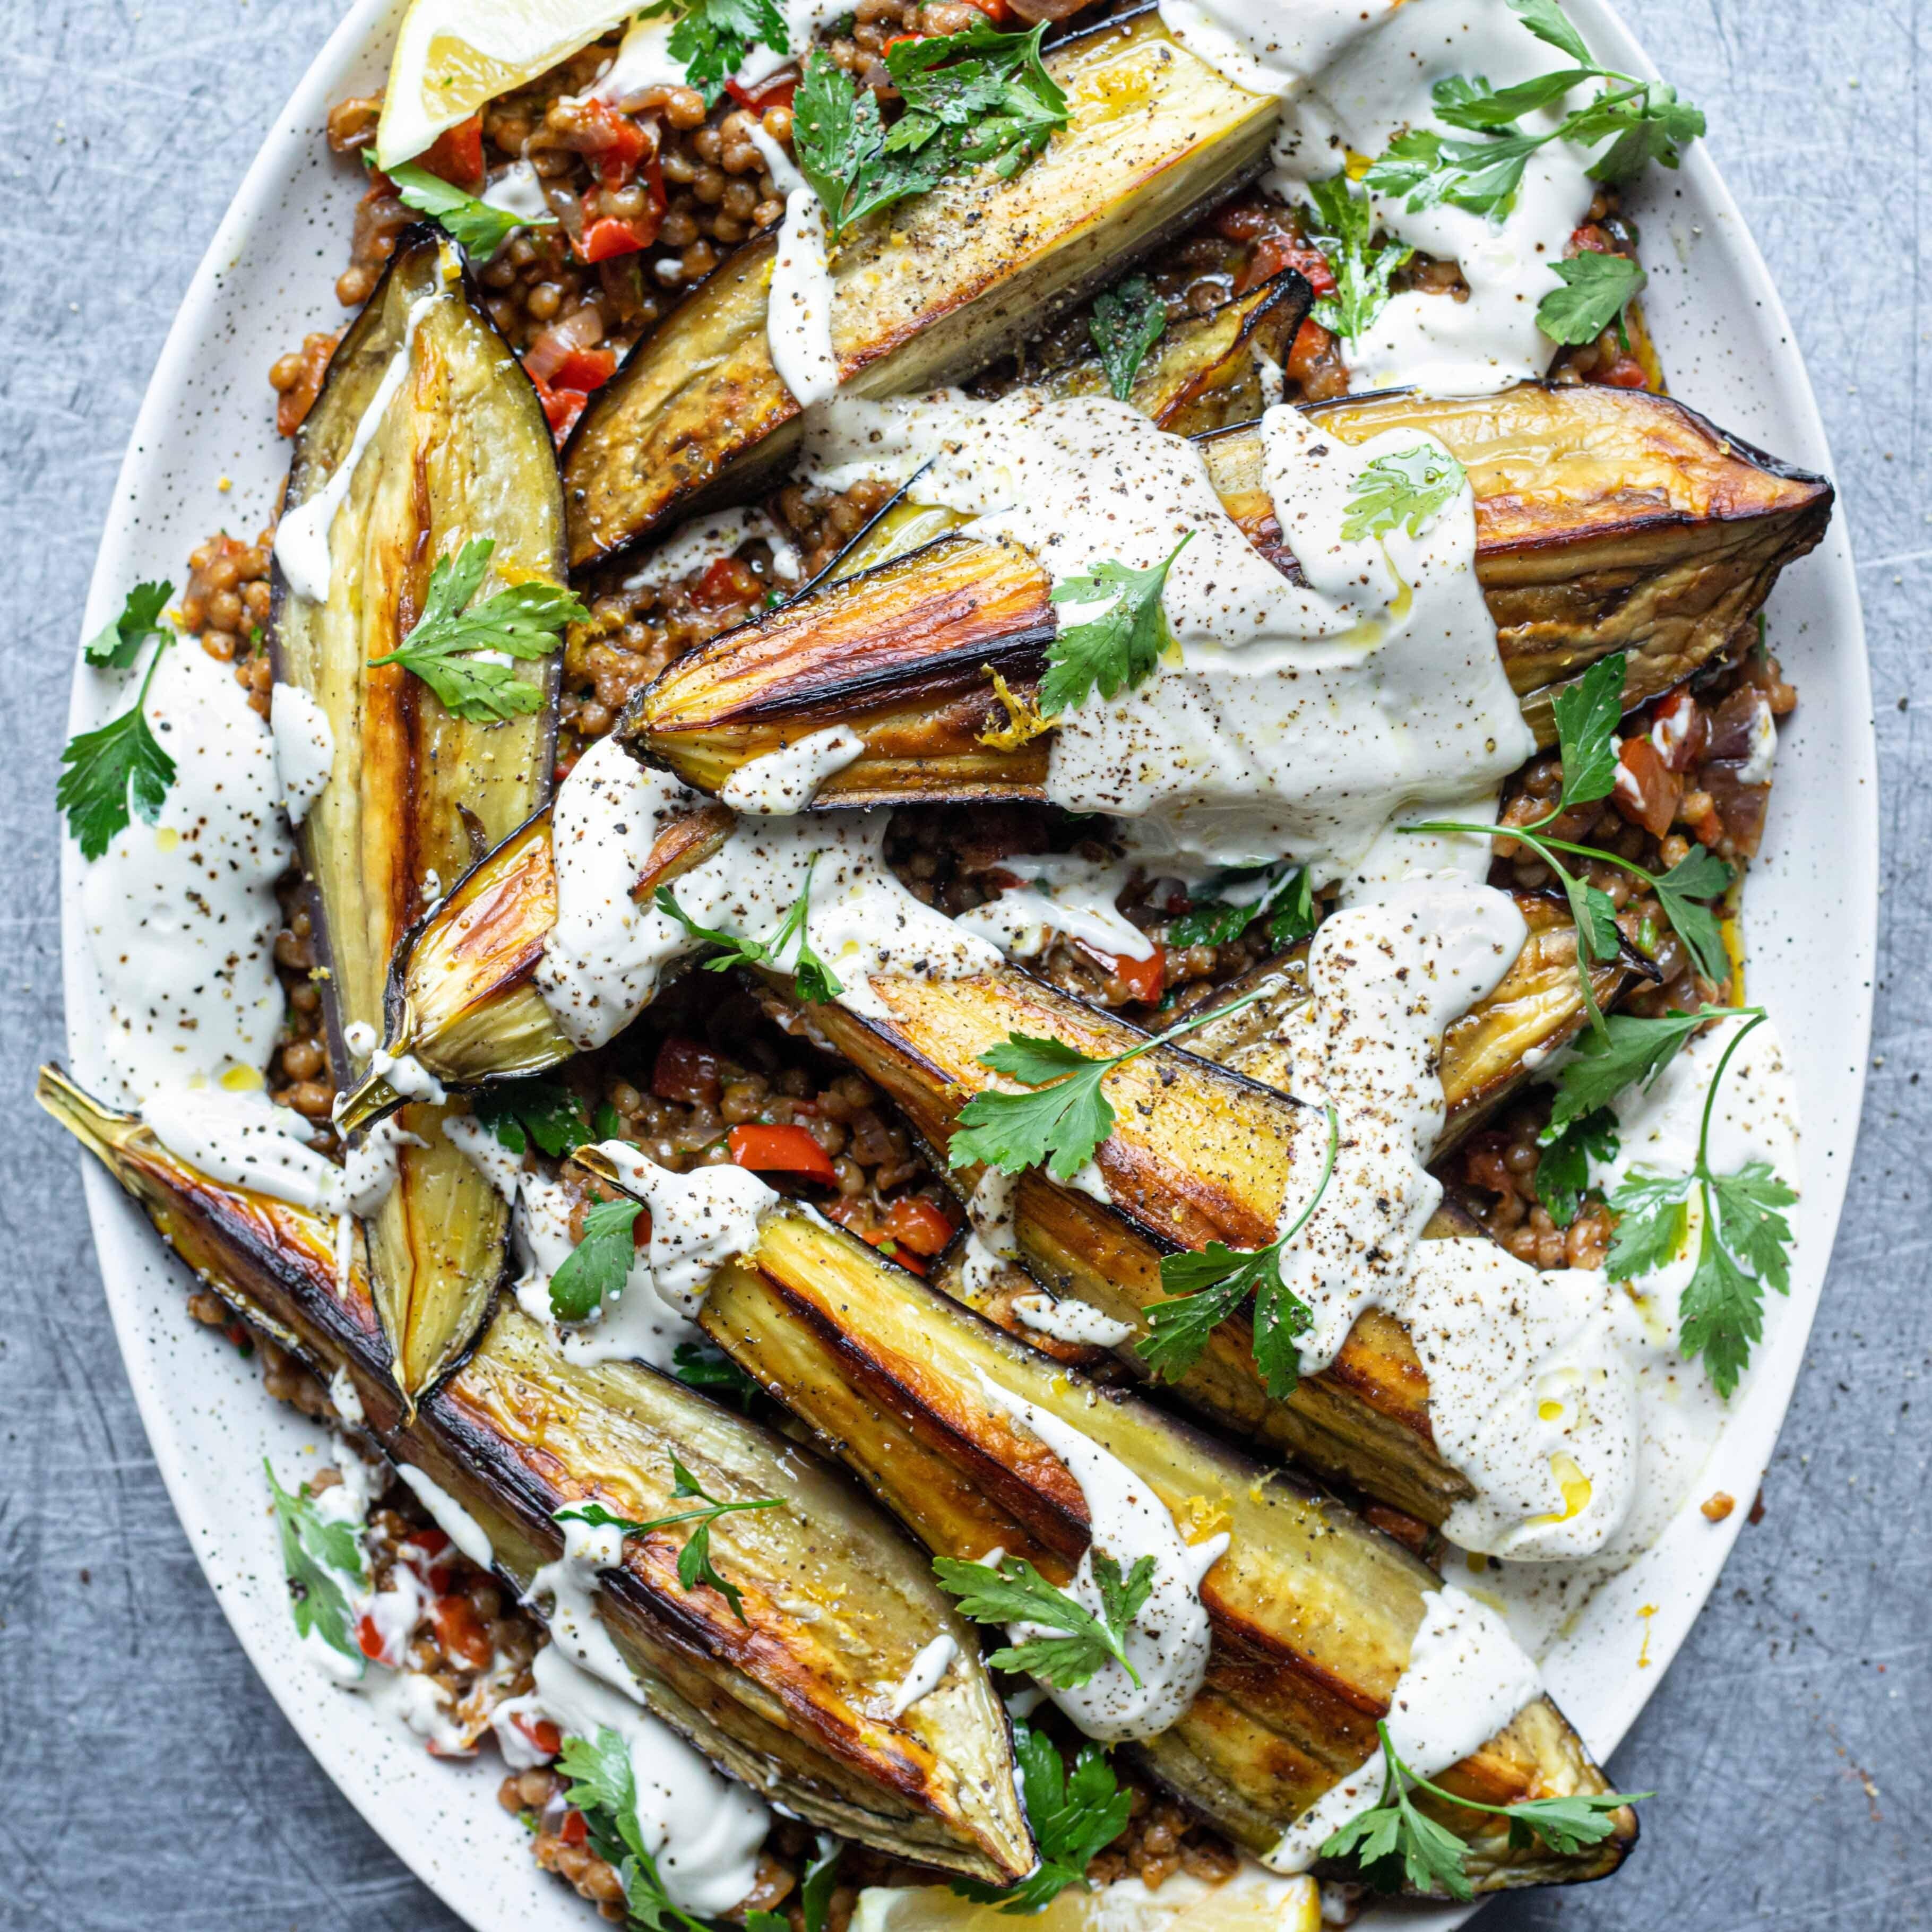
{"x":1312,"y":1612}
{"x":462,"y":451}
{"x":924,"y":293}
{"x":1606,"y":520}
{"x":794,"y":1700}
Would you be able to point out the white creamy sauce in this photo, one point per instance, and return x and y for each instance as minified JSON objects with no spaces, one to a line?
{"x":699,"y":1220}
{"x":1379,"y":87}
{"x":1071,"y":1321}
{"x":704,"y":1831}
{"x":342,"y":1392}
{"x":786,"y":780}
{"x":1168,"y":1640}
{"x":304,"y":747}
{"x":1297,"y":720}
{"x":302,"y":538}
{"x":604,"y":957}
{"x":449,"y":1516}
{"x":636,"y":1324}
{"x":1271,"y":46}
{"x":181,"y":916}
{"x":1465,"y":1679}
{"x":644,"y":60}
{"x":407,"y":1076}
{"x":518,"y":189}
{"x":992,"y":1238}
{"x":1386,"y":980}
{"x":1060,"y":893}
{"x":924,"y":1674}
{"x":798,"y":315}
{"x":704,"y":539}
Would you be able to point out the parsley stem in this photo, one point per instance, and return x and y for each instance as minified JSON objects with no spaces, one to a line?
{"x":1417,"y":1782}
{"x":1758,"y":1017}
{"x":1528,"y":835}
{"x":1321,"y":1186}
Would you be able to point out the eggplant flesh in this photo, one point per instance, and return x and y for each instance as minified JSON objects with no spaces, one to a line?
{"x":1607,"y":519}
{"x":1201,"y":1152}
{"x":922,"y":293}
{"x":1312,"y":1611}
{"x":460,"y":450}
{"x":795,"y":1701}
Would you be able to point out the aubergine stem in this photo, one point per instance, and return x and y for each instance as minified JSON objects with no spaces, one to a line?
{"x":795,"y":1700}
{"x":1312,"y":1612}
{"x":1607,"y":521}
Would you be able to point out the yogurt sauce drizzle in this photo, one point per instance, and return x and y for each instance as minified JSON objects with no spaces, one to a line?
{"x":1299,"y":718}
{"x":786,"y":782}
{"x":1466,"y":1678}
{"x":1167,"y":1643}
{"x":924,"y":1674}
{"x":798,"y":317}
{"x":702,"y":1829}
{"x":605,"y":956}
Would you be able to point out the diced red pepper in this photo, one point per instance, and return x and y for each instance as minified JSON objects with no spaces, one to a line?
{"x":1145,"y":980}
{"x":542,"y":1734}
{"x":604,"y":239}
{"x":903,"y":40}
{"x":1622,"y":372}
{"x":776,"y":90}
{"x":683,"y":1070}
{"x":1275,"y":252}
{"x":573,"y":1831}
{"x":432,"y":1542}
{"x":616,"y":143}
{"x":919,"y":1224}
{"x":781,"y":1150}
{"x":1680,"y":728}
{"x":561,"y":407}
{"x":584,"y":370}
{"x":461,"y":1632}
{"x":898,"y":1252}
{"x":1312,"y":343}
{"x":1709,"y":827}
{"x":456,"y":155}
{"x":369,"y":1639}
{"x":997,"y":11}
{"x":1647,"y":791}
{"x":728,"y":579}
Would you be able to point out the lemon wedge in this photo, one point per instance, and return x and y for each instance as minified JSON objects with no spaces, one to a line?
{"x":1253,"y":1901}
{"x":452,"y":55}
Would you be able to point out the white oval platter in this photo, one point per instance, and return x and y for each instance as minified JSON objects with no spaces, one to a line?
{"x":205,"y":454}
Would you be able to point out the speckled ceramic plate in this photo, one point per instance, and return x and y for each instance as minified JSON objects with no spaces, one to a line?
{"x":205,"y":454}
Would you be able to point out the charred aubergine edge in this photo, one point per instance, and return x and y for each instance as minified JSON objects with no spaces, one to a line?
{"x":449,"y":444}
{"x":1312,"y":1612}
{"x":795,"y":1700}
{"x":922,"y":294}
{"x":1606,"y":520}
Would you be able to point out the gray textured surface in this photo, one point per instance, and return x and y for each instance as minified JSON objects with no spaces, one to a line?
{"x":153,"y":1785}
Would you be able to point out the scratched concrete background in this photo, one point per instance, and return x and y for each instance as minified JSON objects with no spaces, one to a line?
{"x":150,"y":1782}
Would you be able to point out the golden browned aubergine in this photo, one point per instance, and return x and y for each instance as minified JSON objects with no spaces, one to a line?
{"x":796,"y":1699}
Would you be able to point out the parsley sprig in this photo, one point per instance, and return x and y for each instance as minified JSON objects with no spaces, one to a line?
{"x":522,"y":622}
{"x":118,"y":770}
{"x":1079,"y":1642}
{"x":693,"y":1560}
{"x":1396,"y":1843}
{"x":711,"y":38}
{"x":970,"y":98}
{"x":1563,"y":1169}
{"x":1408,"y":489}
{"x":1066,"y":1115}
{"x":1121,"y":647}
{"x":118,"y":644}
{"x":1628,"y":1052}
{"x":1074,"y":1815}
{"x":317,"y":1554}
{"x":480,"y":228}
{"x":1587,"y":714}
{"x":1125,"y":324}
{"x":599,"y":1264}
{"x":1343,"y":225}
{"x":813,"y":981}
{"x":1288,"y":907}
{"x":1597,"y":288}
{"x":699,"y":1366}
{"x":520,"y":1111}
{"x":1203,"y":1289}
{"x":1424,"y":169}
{"x":604,"y":1788}
{"x":1744,"y":1245}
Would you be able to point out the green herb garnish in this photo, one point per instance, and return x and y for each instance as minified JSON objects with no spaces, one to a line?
{"x":1343,"y":224}
{"x":812,"y":979}
{"x":466,"y":219}
{"x":1120,"y":648}
{"x":1080,"y":1643}
{"x":711,"y":38}
{"x":118,"y":643}
{"x":520,"y":1111}
{"x":1407,"y":489}
{"x":522,"y":622}
{"x":115,"y":769}
{"x":693,"y":1560}
{"x":1597,"y":288}
{"x":317,"y":1554}
{"x":599,"y":1264}
{"x":1125,"y":323}
{"x":604,"y":1788}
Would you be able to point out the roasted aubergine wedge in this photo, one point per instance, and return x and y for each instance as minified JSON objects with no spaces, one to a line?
{"x":446,"y":442}
{"x":922,"y":294}
{"x":1202,"y":1152}
{"x":1313,"y":1612}
{"x":795,"y":1698}
{"x":1606,"y":520}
